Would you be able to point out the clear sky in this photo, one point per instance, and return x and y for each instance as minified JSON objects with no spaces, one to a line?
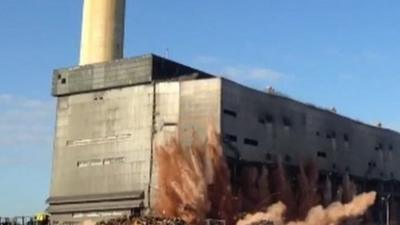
{"x":341,"y":53}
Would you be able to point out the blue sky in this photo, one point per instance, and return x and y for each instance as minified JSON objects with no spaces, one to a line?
{"x":341,"y":53}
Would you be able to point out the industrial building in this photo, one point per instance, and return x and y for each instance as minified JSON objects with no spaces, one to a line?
{"x":113,"y":111}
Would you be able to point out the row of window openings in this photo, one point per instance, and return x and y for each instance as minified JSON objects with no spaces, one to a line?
{"x":287,"y":122}
{"x":320,"y":154}
{"x":332,"y":135}
{"x":268,"y":119}
{"x":233,"y":138}
{"x":99,"y":162}
{"x":380,"y":146}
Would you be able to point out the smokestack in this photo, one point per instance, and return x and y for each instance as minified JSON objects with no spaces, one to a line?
{"x":102,"y":31}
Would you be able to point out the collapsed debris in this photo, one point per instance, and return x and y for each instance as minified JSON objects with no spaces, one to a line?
{"x":143,"y":221}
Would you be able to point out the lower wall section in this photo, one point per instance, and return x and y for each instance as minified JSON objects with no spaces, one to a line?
{"x":73,"y":210}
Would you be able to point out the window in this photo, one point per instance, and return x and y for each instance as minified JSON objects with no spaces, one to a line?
{"x":379,"y":146}
{"x":82,"y":164}
{"x":346,"y":137}
{"x":269,"y":118}
{"x":63,"y":81}
{"x":286,"y":122}
{"x":230,"y":138}
{"x":288,"y":158}
{"x":96,"y":162}
{"x":372,"y":164}
{"x":330,"y":134}
{"x":249,"y":141}
{"x":317,"y":134}
{"x":230,"y":112}
{"x":113,"y":161}
{"x":321,"y":154}
{"x":99,"y":162}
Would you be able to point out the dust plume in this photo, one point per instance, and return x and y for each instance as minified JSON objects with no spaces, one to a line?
{"x":194,"y":182}
{"x":331,"y":215}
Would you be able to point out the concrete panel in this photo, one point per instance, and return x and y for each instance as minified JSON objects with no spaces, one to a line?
{"x":118,"y":73}
{"x":103,"y":142}
{"x":200,"y":102}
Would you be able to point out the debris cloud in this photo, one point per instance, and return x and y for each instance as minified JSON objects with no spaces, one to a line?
{"x":194,"y":184}
{"x":332,"y":215}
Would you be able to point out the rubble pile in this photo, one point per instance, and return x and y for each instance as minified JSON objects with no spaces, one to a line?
{"x":143,"y":221}
{"x":263,"y":222}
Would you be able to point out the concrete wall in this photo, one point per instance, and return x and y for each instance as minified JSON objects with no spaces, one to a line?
{"x":102,"y":150}
{"x":183,"y":108}
{"x":104,"y":155}
{"x":118,"y":74}
{"x":276,"y":126}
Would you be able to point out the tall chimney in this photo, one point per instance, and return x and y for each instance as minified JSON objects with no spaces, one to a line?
{"x":102,"y":31}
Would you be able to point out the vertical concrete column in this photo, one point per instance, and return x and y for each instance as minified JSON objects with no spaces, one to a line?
{"x":102,"y":31}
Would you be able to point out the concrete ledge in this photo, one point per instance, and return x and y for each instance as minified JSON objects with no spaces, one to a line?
{"x":118,"y":73}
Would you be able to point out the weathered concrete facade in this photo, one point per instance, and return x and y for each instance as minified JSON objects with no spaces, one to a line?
{"x":110,"y":117}
{"x":280,"y":126}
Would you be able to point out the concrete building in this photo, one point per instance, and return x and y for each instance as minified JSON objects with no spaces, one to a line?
{"x":112,"y":112}
{"x":111,"y":115}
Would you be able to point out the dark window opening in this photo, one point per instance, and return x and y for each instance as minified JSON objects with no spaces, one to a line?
{"x":269,"y":118}
{"x":261,"y":120}
{"x":346,"y":137}
{"x":321,"y":154}
{"x":380,"y":145}
{"x":334,"y":166}
{"x":170,"y":124}
{"x":317,"y":134}
{"x":59,"y":76}
{"x":252,"y":142}
{"x":136,"y":212}
{"x":347,"y":169}
{"x":230,"y":112}
{"x":268,"y":156}
{"x":390,"y":147}
{"x":230,"y":138}
{"x":288,"y":158}
{"x":372,"y":164}
{"x":286,"y":122}
{"x":331,"y":135}
{"x":63,"y":81}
